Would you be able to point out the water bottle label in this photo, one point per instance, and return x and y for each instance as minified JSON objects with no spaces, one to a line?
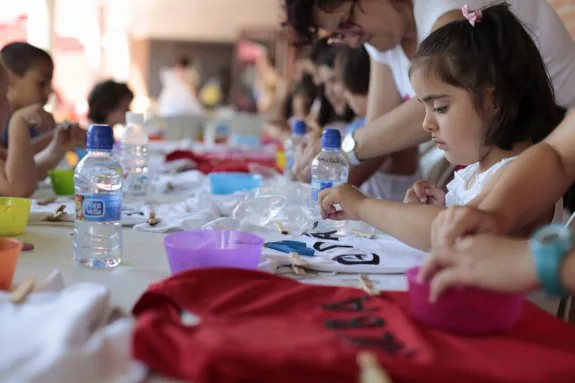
{"x":290,"y":160}
{"x":98,"y":207}
{"x":317,"y":186}
{"x":136,"y":184}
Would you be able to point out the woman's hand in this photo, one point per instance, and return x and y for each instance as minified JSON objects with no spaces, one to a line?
{"x":459,"y":221}
{"x":485,"y":261}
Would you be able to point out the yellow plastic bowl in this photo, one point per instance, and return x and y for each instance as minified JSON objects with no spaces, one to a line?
{"x":14,"y":214}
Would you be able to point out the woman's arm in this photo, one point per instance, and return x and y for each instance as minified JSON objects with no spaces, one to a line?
{"x":378,"y":103}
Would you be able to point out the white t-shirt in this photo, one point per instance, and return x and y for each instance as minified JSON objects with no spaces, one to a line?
{"x":550,"y":35}
{"x":460,"y":193}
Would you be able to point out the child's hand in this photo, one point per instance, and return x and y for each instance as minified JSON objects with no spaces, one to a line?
{"x":344,"y":195}
{"x":69,"y":137}
{"x":35,"y":116}
{"x":422,"y":192}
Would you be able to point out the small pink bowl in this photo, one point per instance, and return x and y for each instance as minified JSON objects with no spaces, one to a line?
{"x":464,"y":310}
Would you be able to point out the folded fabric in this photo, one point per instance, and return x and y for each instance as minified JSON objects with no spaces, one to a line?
{"x":63,"y":335}
{"x":180,"y":184}
{"x":259,"y":328}
{"x":191,"y":214}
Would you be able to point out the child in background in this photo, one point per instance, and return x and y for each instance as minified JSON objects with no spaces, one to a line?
{"x":108,"y":103}
{"x":352,"y":66}
{"x":19,"y":168}
{"x":30,"y":70}
{"x":471,"y":76}
{"x":302,"y":98}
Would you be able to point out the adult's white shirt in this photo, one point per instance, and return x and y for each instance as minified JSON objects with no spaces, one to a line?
{"x":550,"y":35}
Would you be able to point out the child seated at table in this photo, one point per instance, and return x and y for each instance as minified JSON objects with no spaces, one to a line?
{"x":108,"y":103}
{"x":30,"y":70}
{"x":487,"y":97}
{"x":19,"y":168}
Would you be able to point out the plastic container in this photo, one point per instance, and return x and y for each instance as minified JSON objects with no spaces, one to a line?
{"x":9,"y":253}
{"x":211,"y":248}
{"x":62,"y":181}
{"x":229,"y":182}
{"x":14,"y":214}
{"x":464,"y":310}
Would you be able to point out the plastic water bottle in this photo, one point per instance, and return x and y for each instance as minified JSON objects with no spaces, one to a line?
{"x":98,"y":189}
{"x":133,"y":156}
{"x":330,"y":167}
{"x":298,"y":131}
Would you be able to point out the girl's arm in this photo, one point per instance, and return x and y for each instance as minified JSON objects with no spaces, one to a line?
{"x":408,"y":223}
{"x":18,"y":170}
{"x":411,"y":224}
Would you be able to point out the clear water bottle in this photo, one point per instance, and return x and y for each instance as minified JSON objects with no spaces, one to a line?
{"x":298,"y":131}
{"x":133,"y":156}
{"x":98,"y":183}
{"x":330,"y":167}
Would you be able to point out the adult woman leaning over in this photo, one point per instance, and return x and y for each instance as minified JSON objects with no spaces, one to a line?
{"x":391,"y":31}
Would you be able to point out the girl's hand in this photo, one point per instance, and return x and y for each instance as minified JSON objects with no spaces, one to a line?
{"x":35,"y":116}
{"x":422,"y":192}
{"x":304,"y":156}
{"x":69,"y":137}
{"x":347,"y":197}
{"x":485,"y":261}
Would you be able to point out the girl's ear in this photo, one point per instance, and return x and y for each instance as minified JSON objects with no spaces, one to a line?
{"x":11,"y":76}
{"x":489,"y":104}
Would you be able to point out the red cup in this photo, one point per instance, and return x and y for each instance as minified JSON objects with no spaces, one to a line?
{"x":9,"y":254}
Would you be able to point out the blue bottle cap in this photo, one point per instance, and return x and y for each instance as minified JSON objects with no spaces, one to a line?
{"x":100,"y":137}
{"x":331,"y":139}
{"x":298,"y":128}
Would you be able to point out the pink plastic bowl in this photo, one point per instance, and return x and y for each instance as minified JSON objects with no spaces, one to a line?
{"x":210,"y":248}
{"x":464,"y":310}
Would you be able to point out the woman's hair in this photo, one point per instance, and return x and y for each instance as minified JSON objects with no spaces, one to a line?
{"x":353,"y":66}
{"x":496,"y":56}
{"x":105,"y":97}
{"x":299,"y":16}
{"x":19,"y":57}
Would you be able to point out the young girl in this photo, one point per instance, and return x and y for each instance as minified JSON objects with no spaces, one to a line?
{"x":487,"y":98}
{"x":30,"y":70}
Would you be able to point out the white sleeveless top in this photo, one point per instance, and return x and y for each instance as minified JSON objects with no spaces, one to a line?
{"x":458,"y":192}
{"x":548,"y":31}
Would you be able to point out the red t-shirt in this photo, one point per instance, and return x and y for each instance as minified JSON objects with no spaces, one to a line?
{"x":257,"y":327}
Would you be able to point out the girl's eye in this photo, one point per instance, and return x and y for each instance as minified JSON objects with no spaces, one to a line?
{"x":440,"y":110}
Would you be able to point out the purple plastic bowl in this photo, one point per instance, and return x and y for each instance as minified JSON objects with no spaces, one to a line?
{"x":210,"y":248}
{"x":464,"y":310}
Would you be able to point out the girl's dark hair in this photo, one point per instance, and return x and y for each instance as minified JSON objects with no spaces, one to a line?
{"x":307,"y":89}
{"x":304,"y":87}
{"x":105,"y":97}
{"x":299,"y":16}
{"x":496,"y":56}
{"x":19,"y":57}
{"x":353,"y":67}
